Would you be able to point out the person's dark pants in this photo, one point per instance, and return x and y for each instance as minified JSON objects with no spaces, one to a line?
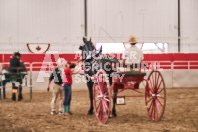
{"x":0,"y":91}
{"x":67,"y":94}
{"x":4,"y":90}
{"x":2,"y":85}
{"x":14,"y":88}
{"x":20,"y":97}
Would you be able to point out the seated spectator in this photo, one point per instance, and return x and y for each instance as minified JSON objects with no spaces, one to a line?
{"x":14,"y":64}
{"x":132,"y":55}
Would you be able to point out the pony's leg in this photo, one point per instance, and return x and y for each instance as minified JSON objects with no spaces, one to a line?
{"x":13,"y":94}
{"x":0,"y":92}
{"x":114,"y":102}
{"x":4,"y":90}
{"x":110,"y":82}
{"x":90,"y":87}
{"x":113,"y":113}
{"x":20,"y":97}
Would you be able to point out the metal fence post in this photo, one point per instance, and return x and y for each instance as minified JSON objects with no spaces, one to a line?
{"x":30,"y":82}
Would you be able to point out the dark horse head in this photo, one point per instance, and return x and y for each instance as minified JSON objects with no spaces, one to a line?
{"x":89,"y":51}
{"x":94,"y":60}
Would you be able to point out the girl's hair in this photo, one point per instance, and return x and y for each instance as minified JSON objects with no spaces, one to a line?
{"x":66,"y":65}
{"x":61,"y":62}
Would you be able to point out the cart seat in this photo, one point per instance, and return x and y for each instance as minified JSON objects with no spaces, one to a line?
{"x":14,"y":77}
{"x":131,"y":73}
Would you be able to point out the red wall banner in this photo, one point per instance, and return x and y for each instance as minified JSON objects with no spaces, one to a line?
{"x":172,"y":57}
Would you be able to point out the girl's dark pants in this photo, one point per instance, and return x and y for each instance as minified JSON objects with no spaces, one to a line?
{"x":67,"y":94}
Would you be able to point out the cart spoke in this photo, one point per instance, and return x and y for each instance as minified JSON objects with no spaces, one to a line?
{"x":160,"y":90}
{"x":157,"y":80}
{"x":161,"y":97}
{"x":107,"y":99}
{"x":154,"y":109}
{"x":105,"y":114}
{"x":98,"y":88}
{"x":150,"y":78}
{"x":150,"y":105}
{"x":149,"y":100}
{"x":98,"y":106}
{"x":158,"y":86}
{"x":106,"y":93}
{"x":97,"y":100}
{"x":154,"y":83}
{"x":150,"y":90}
{"x":105,"y":111}
{"x":160,"y":103}
{"x":106,"y":105}
{"x":97,"y":94}
{"x":158,"y":109}
{"x":100,"y":113}
{"x":103,"y":108}
{"x":151,"y":86}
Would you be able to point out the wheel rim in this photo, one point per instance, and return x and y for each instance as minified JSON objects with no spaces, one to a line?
{"x":155,"y":96}
{"x":101,"y":98}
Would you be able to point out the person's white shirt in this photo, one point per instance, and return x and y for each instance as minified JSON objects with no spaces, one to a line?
{"x":3,"y":72}
{"x":133,"y":55}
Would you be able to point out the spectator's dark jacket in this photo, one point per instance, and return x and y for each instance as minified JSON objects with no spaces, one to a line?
{"x":14,"y":63}
{"x":22,"y":65}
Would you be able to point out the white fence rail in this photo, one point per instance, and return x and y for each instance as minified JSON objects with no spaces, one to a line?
{"x":176,"y":74}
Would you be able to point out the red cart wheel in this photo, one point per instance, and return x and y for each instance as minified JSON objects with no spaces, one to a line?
{"x":155,"y":96}
{"x":101,"y":96}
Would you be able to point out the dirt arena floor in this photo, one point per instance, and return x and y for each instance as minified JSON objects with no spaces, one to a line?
{"x":181,"y":114}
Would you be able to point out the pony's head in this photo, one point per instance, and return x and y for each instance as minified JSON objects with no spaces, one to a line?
{"x":88,"y":50}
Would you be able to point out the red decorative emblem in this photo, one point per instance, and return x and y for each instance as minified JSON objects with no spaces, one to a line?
{"x":38,"y":48}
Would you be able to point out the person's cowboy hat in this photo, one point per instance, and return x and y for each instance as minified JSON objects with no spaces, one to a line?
{"x":133,"y":40}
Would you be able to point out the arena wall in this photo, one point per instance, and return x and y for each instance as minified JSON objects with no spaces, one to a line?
{"x":62,"y":23}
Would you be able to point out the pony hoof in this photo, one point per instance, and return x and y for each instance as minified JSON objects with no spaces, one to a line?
{"x":113,"y":115}
{"x":90,"y":113}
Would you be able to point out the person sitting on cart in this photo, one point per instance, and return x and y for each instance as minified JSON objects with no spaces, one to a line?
{"x":14,"y":64}
{"x":132,"y":55}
